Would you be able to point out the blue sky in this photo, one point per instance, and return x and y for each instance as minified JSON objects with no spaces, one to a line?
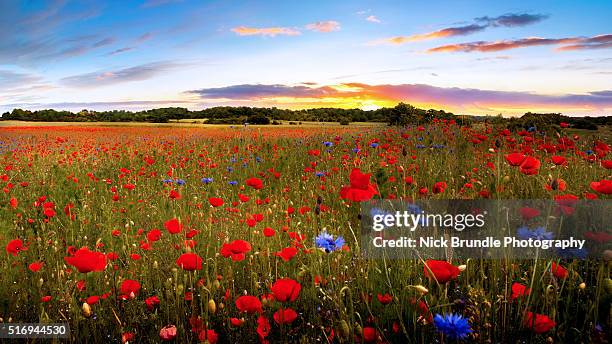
{"x":472,"y":57}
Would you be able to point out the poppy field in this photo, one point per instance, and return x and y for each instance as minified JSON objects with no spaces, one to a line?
{"x":251,"y":234}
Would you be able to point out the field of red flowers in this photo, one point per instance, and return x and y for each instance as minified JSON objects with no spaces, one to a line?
{"x":251,"y":235}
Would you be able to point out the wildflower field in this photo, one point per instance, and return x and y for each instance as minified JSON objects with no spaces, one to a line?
{"x":251,"y":234}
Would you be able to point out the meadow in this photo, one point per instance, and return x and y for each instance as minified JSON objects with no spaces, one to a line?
{"x":251,"y":234}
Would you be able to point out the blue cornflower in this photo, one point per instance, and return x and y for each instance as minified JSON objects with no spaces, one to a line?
{"x":233,"y":159}
{"x":167,"y":181}
{"x":328,"y":144}
{"x":421,"y":146}
{"x":539,"y":233}
{"x":453,"y":326}
{"x":320,"y":174}
{"x":373,"y":144}
{"x":180,"y":182}
{"x":356,"y":150}
{"x":326,"y":241}
{"x":230,"y":169}
{"x":206,"y":180}
{"x":588,"y":152}
{"x":258,"y":159}
{"x":531,"y":129}
{"x":571,"y":253}
{"x":233,"y":182}
{"x":438,"y":146}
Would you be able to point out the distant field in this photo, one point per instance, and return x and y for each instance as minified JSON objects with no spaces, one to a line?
{"x":184,"y":123}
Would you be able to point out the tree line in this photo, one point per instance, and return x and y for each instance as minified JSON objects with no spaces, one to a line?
{"x":401,"y":114}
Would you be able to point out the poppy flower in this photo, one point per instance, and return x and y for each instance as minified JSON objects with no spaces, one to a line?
{"x":263,"y":328}
{"x":174,"y":194}
{"x":152,"y":302}
{"x":607,"y":164}
{"x":286,"y":289}
{"x":287,"y":253}
{"x":515,"y":159}
{"x":154,"y":235}
{"x":189,"y":262}
{"x":285,"y":316}
{"x":35,"y":266}
{"x":167,"y":333}
{"x":519,"y":290}
{"x":529,"y":213}
{"x":14,"y":247}
{"x":360,"y":188}
{"x":173,"y":226}
{"x":13,"y":202}
{"x":268,"y":232}
{"x":369,"y":334}
{"x":384,"y":299}
{"x":129,"y":287}
{"x":442,"y":270}
{"x":87,"y":261}
{"x":439,"y":187}
{"x":236,"y":250}
{"x":538,"y":323}
{"x":208,"y":336}
{"x":603,"y":186}
{"x":558,"y":160}
{"x":530,"y":166}
{"x":249,"y":304}
{"x":46,"y":298}
{"x":215,"y":201}
{"x":255,"y":183}
{"x":558,"y":271}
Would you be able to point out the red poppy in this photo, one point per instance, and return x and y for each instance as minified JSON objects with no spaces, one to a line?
{"x":86,"y":261}
{"x":529,"y":213}
{"x":215,"y":201}
{"x":236,"y":250}
{"x":539,"y":323}
{"x":263,"y":328}
{"x":129,"y":287}
{"x":286,"y":289}
{"x":236,"y":322}
{"x":174,"y":194}
{"x":152,"y":302}
{"x":285,"y":316}
{"x":46,"y":298}
{"x":558,"y":271}
{"x":208,"y":336}
{"x":15,"y":246}
{"x":154,"y":235}
{"x":255,"y":183}
{"x":519,"y":290}
{"x":439,"y":187}
{"x":268,"y":232}
{"x":287,"y":253}
{"x":13,"y":202}
{"x":369,"y":334}
{"x":92,"y":300}
{"x":167,"y":333}
{"x":249,"y":304}
{"x":384,"y":299}
{"x":360,"y":188}
{"x":35,"y":266}
{"x":442,"y":270}
{"x":173,"y":226}
{"x":530,"y":166}
{"x":189,"y":262}
{"x":607,"y":164}
{"x":558,"y":160}
{"x":515,"y":159}
{"x":603,"y":186}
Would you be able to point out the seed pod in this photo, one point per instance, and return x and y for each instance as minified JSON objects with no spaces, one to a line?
{"x":86,"y":310}
{"x":344,"y":331}
{"x":421,"y":289}
{"x":212,"y":306}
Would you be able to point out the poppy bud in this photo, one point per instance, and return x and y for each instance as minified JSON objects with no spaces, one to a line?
{"x":212,"y":306}
{"x":582,"y":285}
{"x":462,"y":267}
{"x":421,"y":289}
{"x":216,"y":284}
{"x":86,"y":310}
{"x":343,"y":330}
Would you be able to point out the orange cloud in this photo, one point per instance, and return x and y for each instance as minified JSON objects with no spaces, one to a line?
{"x":448,"y":32}
{"x":324,"y":26}
{"x":267,"y":31}
{"x":569,"y":43}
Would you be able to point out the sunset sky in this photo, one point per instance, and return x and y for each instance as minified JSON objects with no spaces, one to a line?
{"x":476,"y":57}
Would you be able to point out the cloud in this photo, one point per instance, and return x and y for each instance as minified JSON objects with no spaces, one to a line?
{"x":11,"y":79}
{"x":482,"y":23}
{"x":111,"y":77}
{"x":569,"y":43}
{"x":30,"y":37}
{"x":372,"y":19}
{"x":448,"y":32}
{"x":513,"y":19}
{"x":155,"y":3}
{"x":324,"y":26}
{"x":120,"y":50}
{"x":454,"y":98}
{"x":267,"y":31}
